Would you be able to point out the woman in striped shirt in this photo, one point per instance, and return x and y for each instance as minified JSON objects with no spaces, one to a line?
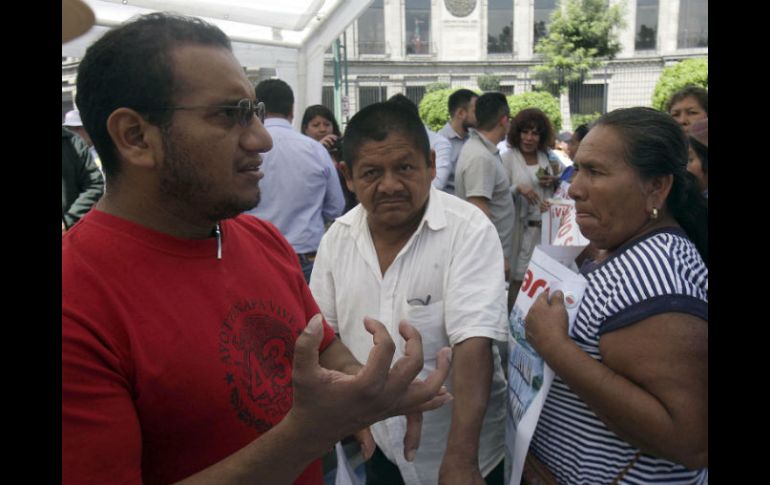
{"x":629,"y":400}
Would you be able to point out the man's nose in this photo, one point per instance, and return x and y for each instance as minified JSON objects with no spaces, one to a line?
{"x":390,"y":182}
{"x":256,"y":138}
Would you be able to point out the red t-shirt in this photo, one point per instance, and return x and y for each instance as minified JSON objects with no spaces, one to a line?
{"x":171,"y":358}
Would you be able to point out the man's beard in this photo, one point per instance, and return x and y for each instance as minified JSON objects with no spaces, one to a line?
{"x":182,"y":183}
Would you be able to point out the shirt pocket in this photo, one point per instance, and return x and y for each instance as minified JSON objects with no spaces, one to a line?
{"x":429,"y":321}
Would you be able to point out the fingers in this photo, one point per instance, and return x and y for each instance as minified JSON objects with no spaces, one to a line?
{"x":408,"y":366}
{"x":366,"y":441}
{"x":306,"y":346}
{"x":557,"y":298}
{"x":429,"y":394}
{"x":378,"y":363}
{"x":443,"y":397}
{"x":412,"y":436}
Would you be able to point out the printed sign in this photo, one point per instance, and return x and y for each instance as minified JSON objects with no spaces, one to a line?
{"x":529,"y":377}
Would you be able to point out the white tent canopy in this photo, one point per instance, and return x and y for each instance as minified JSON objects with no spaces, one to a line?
{"x":289,"y":36}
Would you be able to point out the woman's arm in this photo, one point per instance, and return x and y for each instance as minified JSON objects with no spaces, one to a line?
{"x":651,"y":388}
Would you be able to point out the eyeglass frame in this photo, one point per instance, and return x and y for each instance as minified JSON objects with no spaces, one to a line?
{"x":251,"y":108}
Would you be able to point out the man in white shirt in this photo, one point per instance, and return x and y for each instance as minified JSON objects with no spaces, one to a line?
{"x":301,"y":190}
{"x":462,"y":116}
{"x":411,"y":252}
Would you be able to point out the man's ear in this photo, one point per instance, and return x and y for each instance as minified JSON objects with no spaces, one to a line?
{"x":432,"y":163}
{"x":348,"y":176}
{"x":137,"y":141}
{"x":658,"y":189}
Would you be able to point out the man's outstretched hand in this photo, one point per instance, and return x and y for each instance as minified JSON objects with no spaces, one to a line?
{"x":332,"y":405}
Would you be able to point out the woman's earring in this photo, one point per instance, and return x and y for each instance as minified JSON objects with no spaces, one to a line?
{"x":654,"y":213}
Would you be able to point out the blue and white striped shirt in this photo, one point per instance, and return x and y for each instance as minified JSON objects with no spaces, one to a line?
{"x":659,"y":273}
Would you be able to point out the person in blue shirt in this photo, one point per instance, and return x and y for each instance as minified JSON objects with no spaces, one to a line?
{"x":301,"y":191}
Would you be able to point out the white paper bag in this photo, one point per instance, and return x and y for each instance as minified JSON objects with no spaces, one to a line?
{"x":560,"y":226}
{"x":345,"y":473}
{"x":529,"y":377}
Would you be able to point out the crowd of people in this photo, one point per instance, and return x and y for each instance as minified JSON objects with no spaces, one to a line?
{"x":238,"y":295}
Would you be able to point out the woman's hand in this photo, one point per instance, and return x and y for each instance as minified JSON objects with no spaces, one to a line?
{"x":528,"y":192}
{"x":547,"y":180}
{"x":546,"y":323}
{"x":328,"y":141}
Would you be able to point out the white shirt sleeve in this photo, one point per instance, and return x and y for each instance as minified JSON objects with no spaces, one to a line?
{"x":322,"y":282}
{"x":475,"y":299}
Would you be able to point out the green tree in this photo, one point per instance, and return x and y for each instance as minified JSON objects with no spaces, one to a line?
{"x":578,"y":120}
{"x":546,"y":102}
{"x":433,"y":107}
{"x":489,"y":82}
{"x":580,"y":37}
{"x":436,"y":86}
{"x":690,"y":72}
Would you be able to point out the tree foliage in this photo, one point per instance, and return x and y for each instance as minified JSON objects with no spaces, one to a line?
{"x":546,"y":102}
{"x":434,"y":109}
{"x":436,"y":86}
{"x":489,"y":82}
{"x":690,"y":72}
{"x":583,"y":119}
{"x":578,"y":39}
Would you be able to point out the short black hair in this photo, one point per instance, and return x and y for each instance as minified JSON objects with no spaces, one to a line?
{"x":130,"y":66}
{"x":376,"y":122}
{"x":406,"y":103}
{"x":489,"y":108}
{"x":460,"y":99}
{"x":581,"y":131}
{"x":277,"y":96}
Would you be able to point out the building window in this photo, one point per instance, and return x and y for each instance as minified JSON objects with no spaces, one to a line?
{"x":500,"y":27}
{"x":506,"y":89}
{"x":371,"y":30}
{"x":415,"y":93}
{"x":543,"y":9}
{"x":417,"y":18}
{"x":693,"y":23}
{"x":586,"y":99}
{"x":371,"y":94}
{"x":646,"y":24}
{"x":327,"y":97}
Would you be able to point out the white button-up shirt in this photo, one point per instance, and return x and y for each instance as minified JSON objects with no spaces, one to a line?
{"x":448,"y":282}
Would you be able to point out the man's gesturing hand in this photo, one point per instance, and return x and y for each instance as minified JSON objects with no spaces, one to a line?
{"x":332,"y":405}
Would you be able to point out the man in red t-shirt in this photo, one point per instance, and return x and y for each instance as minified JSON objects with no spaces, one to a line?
{"x":186,"y":348}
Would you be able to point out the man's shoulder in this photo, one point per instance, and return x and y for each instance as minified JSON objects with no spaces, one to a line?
{"x":474,"y":149}
{"x":292,"y":141}
{"x":460,"y":212}
{"x":256,"y":227}
{"x":447,"y":131}
{"x":347,"y":224}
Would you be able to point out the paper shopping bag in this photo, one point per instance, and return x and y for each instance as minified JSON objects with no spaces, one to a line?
{"x":529,"y":377}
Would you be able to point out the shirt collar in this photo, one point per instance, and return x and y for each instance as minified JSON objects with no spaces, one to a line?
{"x":450,"y":132}
{"x":488,"y":144}
{"x":277,"y":122}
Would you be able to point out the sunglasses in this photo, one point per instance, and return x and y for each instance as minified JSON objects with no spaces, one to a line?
{"x":243,"y":111}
